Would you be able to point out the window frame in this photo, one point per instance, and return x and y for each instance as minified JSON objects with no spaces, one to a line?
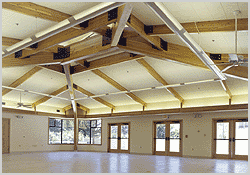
{"x":90,"y":131}
{"x":61,"y":131}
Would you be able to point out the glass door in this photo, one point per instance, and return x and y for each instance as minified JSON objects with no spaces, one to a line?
{"x":231,"y":139}
{"x":119,"y":138}
{"x":167,"y":138}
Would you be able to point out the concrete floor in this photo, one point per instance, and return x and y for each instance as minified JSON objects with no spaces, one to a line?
{"x":93,"y":162}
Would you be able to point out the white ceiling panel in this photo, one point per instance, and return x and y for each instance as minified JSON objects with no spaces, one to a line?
{"x":90,"y":103}
{"x":237,"y":86}
{"x":229,"y":7}
{"x":70,"y":8}
{"x":44,"y":81}
{"x":56,"y":103}
{"x":93,"y":83}
{"x":154,"y":96}
{"x":11,"y":74}
{"x":119,"y":100}
{"x":131,"y":75}
{"x":25,"y":97}
{"x":65,"y":94}
{"x":22,"y":26}
{"x":202,"y":90}
{"x":174,"y":73}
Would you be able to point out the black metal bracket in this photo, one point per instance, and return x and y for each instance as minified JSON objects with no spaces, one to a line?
{"x":62,"y":53}
{"x":132,"y":54}
{"x":75,"y":86}
{"x":215,"y":56}
{"x":106,"y":39}
{"x":84,"y":24}
{"x":119,"y":138}
{"x":112,"y":14}
{"x":164,"y":45}
{"x":34,"y":46}
{"x":18,"y":54}
{"x":148,"y":29}
{"x":86,"y":64}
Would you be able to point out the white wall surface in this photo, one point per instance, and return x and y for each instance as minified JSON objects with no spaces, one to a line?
{"x":35,"y":130}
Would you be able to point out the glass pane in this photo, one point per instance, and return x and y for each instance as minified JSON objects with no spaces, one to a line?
{"x":55,"y":135}
{"x":174,"y":145}
{"x":51,"y":122}
{"x":241,"y":147}
{"x":175,"y":130}
{"x":84,"y":132}
{"x":68,"y":131}
{"x":93,"y":123}
{"x":96,"y":135}
{"x":160,"y":131}
{"x":114,"y":132}
{"x":99,"y":123}
{"x":113,"y":143}
{"x":222,"y":146}
{"x":58,"y":122}
{"x":124,"y":131}
{"x":241,"y":130}
{"x":222,"y":130}
{"x":160,"y":144}
{"x":124,"y":144}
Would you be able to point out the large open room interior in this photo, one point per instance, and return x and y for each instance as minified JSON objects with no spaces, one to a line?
{"x":124,"y":87}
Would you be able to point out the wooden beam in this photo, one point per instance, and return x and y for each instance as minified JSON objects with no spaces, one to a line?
{"x":44,"y":99}
{"x":107,"y":61}
{"x":123,"y":15}
{"x":66,"y":108}
{"x":118,"y":86}
{"x":204,"y":26}
{"x":35,"y":10}
{"x":95,"y":23}
{"x":100,"y":100}
{"x":177,"y":53}
{"x":21,"y":111}
{"x":227,"y":89}
{"x":138,"y":27}
{"x":159,"y":78}
{"x":21,"y":80}
{"x":6,"y":41}
{"x":172,"y":111}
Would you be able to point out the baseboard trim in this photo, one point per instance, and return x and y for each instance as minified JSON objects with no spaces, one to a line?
{"x":197,"y":157}
{"x":42,"y":151}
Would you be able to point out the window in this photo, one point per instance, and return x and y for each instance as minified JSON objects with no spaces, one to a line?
{"x":61,"y":131}
{"x":90,"y":132}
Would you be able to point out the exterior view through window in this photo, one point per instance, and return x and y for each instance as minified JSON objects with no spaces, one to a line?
{"x":61,"y":131}
{"x":90,"y":132}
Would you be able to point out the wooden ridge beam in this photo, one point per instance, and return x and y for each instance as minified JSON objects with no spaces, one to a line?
{"x":66,"y":108}
{"x":122,"y":18}
{"x":118,"y":86}
{"x":93,"y":24}
{"x":100,"y":100}
{"x":21,"y":80}
{"x":203,"y":26}
{"x":44,"y":99}
{"x":35,"y":10}
{"x":159,"y":78}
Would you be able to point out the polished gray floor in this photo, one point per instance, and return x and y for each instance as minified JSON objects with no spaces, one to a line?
{"x":93,"y":162}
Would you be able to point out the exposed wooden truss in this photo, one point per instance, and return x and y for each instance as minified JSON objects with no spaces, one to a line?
{"x":44,"y":99}
{"x":98,"y":99}
{"x":159,"y":78}
{"x":203,"y":26}
{"x":21,"y":80}
{"x":66,"y":108}
{"x":118,"y":86}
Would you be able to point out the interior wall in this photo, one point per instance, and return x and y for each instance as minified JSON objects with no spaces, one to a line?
{"x":30,"y":133}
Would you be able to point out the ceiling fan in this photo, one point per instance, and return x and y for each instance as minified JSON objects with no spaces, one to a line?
{"x":234,"y":58}
{"x":23,"y":105}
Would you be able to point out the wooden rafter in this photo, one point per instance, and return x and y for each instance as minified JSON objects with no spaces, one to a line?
{"x":35,"y":10}
{"x":6,"y":41}
{"x":22,"y":79}
{"x":123,"y":15}
{"x":66,"y":108}
{"x":100,"y":100}
{"x":118,"y":86}
{"x":204,"y":26}
{"x":159,"y":78}
{"x":44,"y":99}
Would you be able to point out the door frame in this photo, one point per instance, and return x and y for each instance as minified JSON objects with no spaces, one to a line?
{"x":119,"y":142}
{"x":231,"y":154}
{"x":179,"y":154}
{"x":7,"y":119}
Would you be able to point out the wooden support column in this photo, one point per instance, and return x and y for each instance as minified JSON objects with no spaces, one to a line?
{"x":72,"y":96}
